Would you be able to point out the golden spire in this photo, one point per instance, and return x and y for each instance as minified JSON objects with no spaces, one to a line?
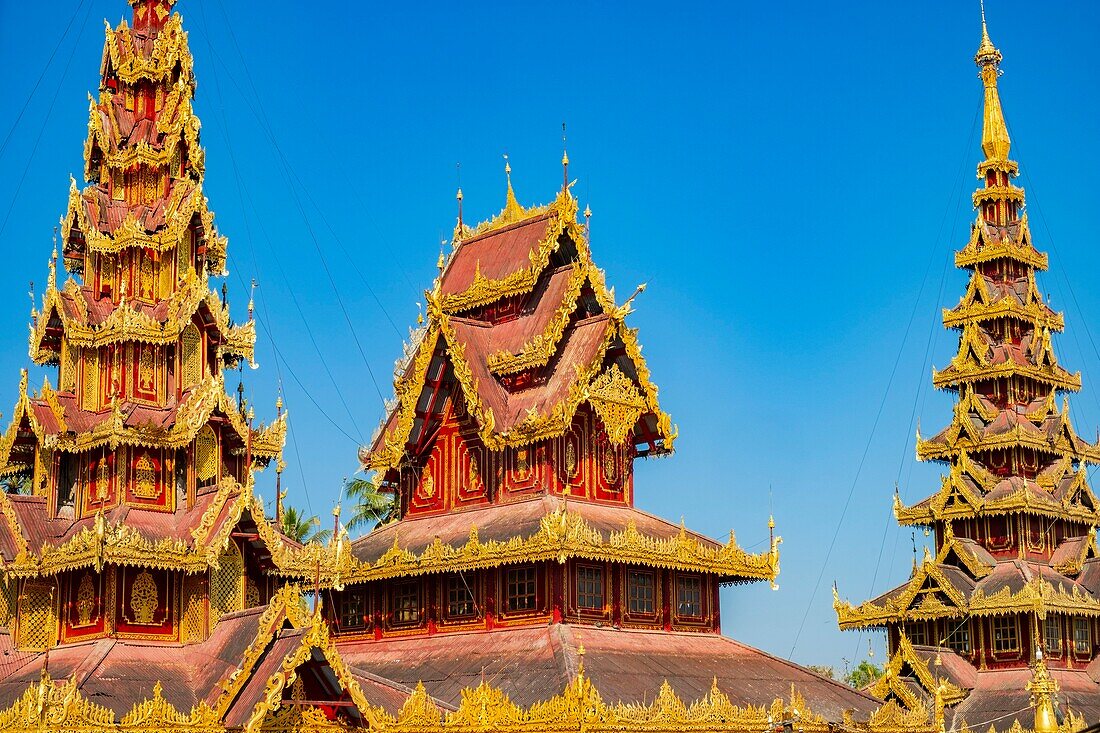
{"x":512,"y":210}
{"x":1043,"y":689}
{"x":995,"y":140}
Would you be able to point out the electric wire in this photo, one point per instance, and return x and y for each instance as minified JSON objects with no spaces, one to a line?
{"x":291,"y":177}
{"x":936,"y":249}
{"x":244,"y":196}
{"x":45,"y":121}
{"x":34,"y":89}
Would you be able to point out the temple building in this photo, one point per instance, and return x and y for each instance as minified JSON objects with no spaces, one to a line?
{"x":1001,"y":620}
{"x":523,"y":404}
{"x":143,"y":586}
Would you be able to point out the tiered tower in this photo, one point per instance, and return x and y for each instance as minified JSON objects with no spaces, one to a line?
{"x":143,"y":586}
{"x":1015,"y":577}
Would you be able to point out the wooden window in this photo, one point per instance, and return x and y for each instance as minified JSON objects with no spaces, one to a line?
{"x":521,"y":588}
{"x":1052,"y":635}
{"x":1006,"y":637}
{"x":958,"y":636}
{"x":641,"y":592}
{"x":352,"y":611}
{"x":689,"y":596}
{"x":460,"y":598}
{"x":590,"y":588}
{"x":915,"y":632}
{"x":1082,"y":636}
{"x":406,"y":603}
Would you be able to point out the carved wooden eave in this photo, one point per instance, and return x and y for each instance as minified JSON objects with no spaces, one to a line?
{"x":578,"y":708}
{"x":561,"y":218}
{"x":1028,"y":430}
{"x":1088,"y":550}
{"x":195,"y":410}
{"x":541,"y":348}
{"x":586,"y":388}
{"x":105,"y":543}
{"x":186,"y":201}
{"x":906,"y":657}
{"x":129,"y":324}
{"x":562,"y":535}
{"x":286,"y":608}
{"x":169,"y":51}
{"x":978,"y":306}
{"x":982,"y":247}
{"x":904,"y":606}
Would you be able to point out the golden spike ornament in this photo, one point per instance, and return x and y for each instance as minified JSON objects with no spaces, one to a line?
{"x":995,"y":140}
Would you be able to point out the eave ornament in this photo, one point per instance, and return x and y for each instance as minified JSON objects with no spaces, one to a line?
{"x":618,"y":402}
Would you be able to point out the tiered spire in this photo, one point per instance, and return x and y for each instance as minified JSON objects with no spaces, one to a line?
{"x":1015,"y":517}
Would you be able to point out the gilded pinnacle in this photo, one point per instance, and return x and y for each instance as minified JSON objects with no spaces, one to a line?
{"x":995,"y":140}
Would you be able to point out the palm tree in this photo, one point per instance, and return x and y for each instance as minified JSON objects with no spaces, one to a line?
{"x":370,"y":507}
{"x":300,"y":528}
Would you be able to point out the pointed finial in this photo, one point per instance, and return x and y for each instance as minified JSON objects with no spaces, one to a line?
{"x":512,"y":210}
{"x":564,"y":160}
{"x":252,"y":299}
{"x":995,"y":140}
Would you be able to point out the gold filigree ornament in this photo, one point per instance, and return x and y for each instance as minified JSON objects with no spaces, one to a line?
{"x":85,"y":600}
{"x":144,"y":598}
{"x":427,"y":485}
{"x":618,"y":402}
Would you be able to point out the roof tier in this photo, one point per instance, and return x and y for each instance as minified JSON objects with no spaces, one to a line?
{"x":523,"y":328}
{"x":540,"y":529}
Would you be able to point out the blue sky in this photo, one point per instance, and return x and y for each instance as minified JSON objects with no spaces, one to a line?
{"x":790,"y":180}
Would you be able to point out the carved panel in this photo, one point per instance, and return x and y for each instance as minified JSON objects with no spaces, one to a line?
{"x":144,"y":599}
{"x":91,"y":379}
{"x":37,"y":617}
{"x":7,"y":601}
{"x":67,"y":377}
{"x":147,"y":484}
{"x":227,"y":583}
{"x":193,"y":619}
{"x":206,"y":454}
{"x":190,"y":357}
{"x":146,"y":372}
{"x":85,"y":601}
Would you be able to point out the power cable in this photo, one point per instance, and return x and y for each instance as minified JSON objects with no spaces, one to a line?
{"x":30,"y":95}
{"x":936,"y":249}
{"x":42,"y":129}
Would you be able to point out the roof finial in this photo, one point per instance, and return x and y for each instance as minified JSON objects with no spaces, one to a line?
{"x":512,"y":210}
{"x":564,"y":161}
{"x":995,"y":140}
{"x":458,"y":197}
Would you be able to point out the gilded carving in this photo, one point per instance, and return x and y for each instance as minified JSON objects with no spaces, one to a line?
{"x":144,"y":598}
{"x":85,"y":601}
{"x":618,"y":402}
{"x":145,"y":478}
{"x":427,"y":484}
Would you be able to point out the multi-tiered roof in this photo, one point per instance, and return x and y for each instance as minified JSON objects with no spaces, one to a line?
{"x":1013,"y":587}
{"x":521,"y":407}
{"x":143,"y":586}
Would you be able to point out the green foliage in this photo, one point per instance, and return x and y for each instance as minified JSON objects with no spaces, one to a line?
{"x":369,"y":506}
{"x":299,"y":527}
{"x":862,"y":674}
{"x":823,"y":669}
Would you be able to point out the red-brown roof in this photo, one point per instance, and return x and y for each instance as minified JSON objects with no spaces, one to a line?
{"x":533,"y":664}
{"x":494,"y":254}
{"x":501,"y":522}
{"x":579,"y":348}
